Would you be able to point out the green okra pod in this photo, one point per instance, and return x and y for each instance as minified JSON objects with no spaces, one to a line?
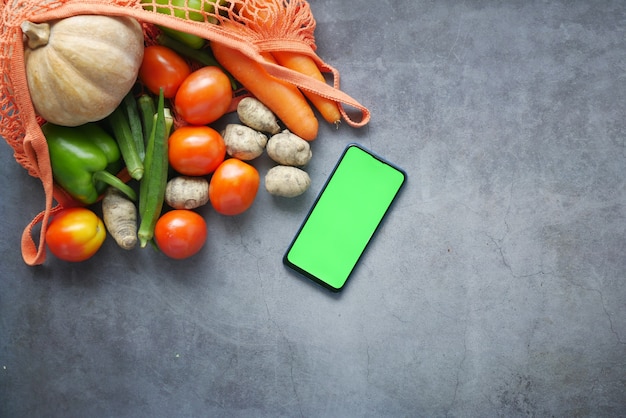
{"x":134,"y":121}
{"x":124,"y":137}
{"x":147,"y":110}
{"x":152,"y":187}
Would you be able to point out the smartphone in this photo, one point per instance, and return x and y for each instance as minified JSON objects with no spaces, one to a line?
{"x":344,"y":217}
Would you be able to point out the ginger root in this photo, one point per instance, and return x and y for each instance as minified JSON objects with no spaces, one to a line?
{"x":120,"y":218}
{"x":287,"y":148}
{"x":243,"y":142}
{"x":287,"y":181}
{"x":187,"y":192}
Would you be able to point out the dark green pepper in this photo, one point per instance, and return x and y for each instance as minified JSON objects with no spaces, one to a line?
{"x":84,"y":161}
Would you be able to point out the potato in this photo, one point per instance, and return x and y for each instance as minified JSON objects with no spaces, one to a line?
{"x":257,"y":116}
{"x":289,"y":149}
{"x":243,"y":142}
{"x":185,"y":192}
{"x":287,"y":181}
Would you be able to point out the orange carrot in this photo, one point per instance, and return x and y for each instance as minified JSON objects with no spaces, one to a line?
{"x":307,"y":66}
{"x":259,"y":13}
{"x":282,"y":98}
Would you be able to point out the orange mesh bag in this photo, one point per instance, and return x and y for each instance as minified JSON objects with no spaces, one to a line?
{"x":255,"y":28}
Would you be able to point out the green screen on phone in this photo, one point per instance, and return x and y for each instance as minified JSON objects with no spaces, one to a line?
{"x":344,"y":217}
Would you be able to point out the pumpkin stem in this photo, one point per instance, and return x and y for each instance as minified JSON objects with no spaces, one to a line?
{"x":37,"y":33}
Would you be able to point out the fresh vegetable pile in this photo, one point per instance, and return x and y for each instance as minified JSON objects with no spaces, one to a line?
{"x":129,"y":110}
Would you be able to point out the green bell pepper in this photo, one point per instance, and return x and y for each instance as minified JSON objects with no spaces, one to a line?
{"x":84,"y":161}
{"x":189,"y":39}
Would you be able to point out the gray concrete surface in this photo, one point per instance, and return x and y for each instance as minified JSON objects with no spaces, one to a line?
{"x":495,"y":288}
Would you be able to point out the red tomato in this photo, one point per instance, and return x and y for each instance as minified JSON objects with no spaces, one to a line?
{"x":204,"y":96}
{"x":75,"y":234}
{"x":233,"y":187}
{"x":163,"y":67}
{"x":180,"y":233}
{"x":196,"y":150}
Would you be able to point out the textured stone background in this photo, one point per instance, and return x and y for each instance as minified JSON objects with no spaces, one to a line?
{"x":496,"y":286}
